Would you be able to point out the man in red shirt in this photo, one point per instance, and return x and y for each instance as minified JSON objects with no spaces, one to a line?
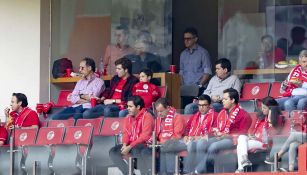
{"x":231,"y":122}
{"x":198,"y":130}
{"x":115,"y":97}
{"x":137,"y":130}
{"x":169,"y":130}
{"x":21,"y":116}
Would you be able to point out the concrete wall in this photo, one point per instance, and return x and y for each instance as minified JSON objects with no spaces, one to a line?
{"x":19,"y":50}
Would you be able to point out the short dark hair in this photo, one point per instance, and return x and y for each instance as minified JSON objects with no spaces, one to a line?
{"x":126,"y":64}
{"x":124,"y":28}
{"x":163,"y":101}
{"x":192,"y":31}
{"x":147,"y":72}
{"x":205,"y":97}
{"x":233,"y":94}
{"x":90,"y":62}
{"x":225,"y":63}
{"x":21,"y":98}
{"x":137,"y":101}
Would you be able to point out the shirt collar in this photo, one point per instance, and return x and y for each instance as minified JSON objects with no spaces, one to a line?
{"x":193,"y":49}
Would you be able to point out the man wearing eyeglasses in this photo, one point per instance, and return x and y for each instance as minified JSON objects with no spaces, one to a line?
{"x":195,"y":64}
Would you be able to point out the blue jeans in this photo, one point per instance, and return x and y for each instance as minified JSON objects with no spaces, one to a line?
{"x":192,"y":108}
{"x":296,"y":102}
{"x":102,"y":110}
{"x":75,"y":112}
{"x":123,"y":113}
{"x":208,"y":150}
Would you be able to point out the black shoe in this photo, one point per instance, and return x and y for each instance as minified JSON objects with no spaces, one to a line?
{"x":246,"y":163}
{"x":270,"y":160}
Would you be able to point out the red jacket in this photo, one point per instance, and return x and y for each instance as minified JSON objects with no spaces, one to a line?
{"x":197,"y":128}
{"x":26,"y":118}
{"x":3,"y":134}
{"x":138,"y":129}
{"x":147,"y":91}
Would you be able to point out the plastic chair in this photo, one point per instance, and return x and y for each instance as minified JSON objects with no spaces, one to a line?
{"x":42,"y":151}
{"x":62,"y":99}
{"x":251,"y":93}
{"x":61,"y":123}
{"x":96,"y":123}
{"x":71,"y":156}
{"x":275,"y":90}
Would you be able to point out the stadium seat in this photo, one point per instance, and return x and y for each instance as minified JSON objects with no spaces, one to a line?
{"x":275,"y":90}
{"x":61,"y":123}
{"x":251,"y":93}
{"x":163,"y":91}
{"x":62,"y":99}
{"x":71,"y":156}
{"x":95,"y":123}
{"x":42,"y":150}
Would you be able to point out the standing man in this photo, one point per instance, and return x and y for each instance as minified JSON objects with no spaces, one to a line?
{"x":295,"y":87}
{"x":169,"y":129}
{"x":218,"y":83}
{"x":137,"y":130}
{"x":118,"y":50}
{"x":115,"y":97}
{"x":21,"y":115}
{"x":88,"y":87}
{"x":198,"y":131}
{"x":195,"y":64}
{"x":231,"y":122}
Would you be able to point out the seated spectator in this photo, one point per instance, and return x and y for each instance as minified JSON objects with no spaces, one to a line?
{"x":297,"y":37}
{"x":137,"y":130}
{"x":295,"y":87}
{"x":169,"y":129}
{"x":21,"y":115}
{"x":267,"y":125}
{"x":198,"y":130}
{"x":144,"y":59}
{"x":290,"y":145}
{"x":146,"y":90}
{"x":231,"y":121}
{"x":88,"y":87}
{"x":218,"y":83}
{"x":3,"y":135}
{"x":115,"y":97}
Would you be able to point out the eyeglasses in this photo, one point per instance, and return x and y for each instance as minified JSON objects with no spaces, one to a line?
{"x":202,"y":105}
{"x":188,"y":38}
{"x":81,"y":68}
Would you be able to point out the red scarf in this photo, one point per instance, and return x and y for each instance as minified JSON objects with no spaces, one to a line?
{"x":135,"y":125}
{"x":165,"y":128}
{"x":259,"y":126}
{"x":201,"y":128}
{"x":296,"y":73}
{"x":19,"y":118}
{"x":224,"y":121}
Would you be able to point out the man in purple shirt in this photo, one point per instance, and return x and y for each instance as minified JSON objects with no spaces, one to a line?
{"x":86,"y":88}
{"x":195,"y":63}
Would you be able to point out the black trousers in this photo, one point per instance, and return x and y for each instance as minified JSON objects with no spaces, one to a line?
{"x":141,"y":152}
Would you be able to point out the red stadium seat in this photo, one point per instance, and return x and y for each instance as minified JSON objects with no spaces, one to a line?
{"x":275,"y":90}
{"x":251,"y":93}
{"x":95,"y":123}
{"x":111,"y":126}
{"x":61,"y":123}
{"x":163,"y":91}
{"x":24,"y":137}
{"x":71,"y":156}
{"x":42,"y":151}
{"x":62,"y":99}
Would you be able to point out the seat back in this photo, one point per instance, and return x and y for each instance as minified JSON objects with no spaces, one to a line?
{"x":189,"y":90}
{"x":78,"y":135}
{"x":163,"y":91}
{"x":23,"y":137}
{"x":253,"y":91}
{"x":61,"y":123}
{"x":50,"y":135}
{"x":111,"y":126}
{"x":253,"y":115}
{"x":43,"y":123}
{"x":275,"y":90}
{"x":62,"y":99}
{"x":95,"y":123}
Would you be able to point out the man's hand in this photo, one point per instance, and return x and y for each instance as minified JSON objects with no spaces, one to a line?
{"x":125,"y":149}
{"x":108,"y":101}
{"x":7,"y":112}
{"x":216,"y":98}
{"x":68,"y":98}
{"x":186,"y":139}
{"x":100,"y":100}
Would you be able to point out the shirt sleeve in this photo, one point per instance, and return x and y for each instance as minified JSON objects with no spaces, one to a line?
{"x":206,"y":63}
{"x":237,"y":84}
{"x":209,"y":87}
{"x":75,"y":93}
{"x":181,"y":64}
{"x":179,"y":127}
{"x":146,"y":131}
{"x":125,"y":136}
{"x":98,"y":88}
